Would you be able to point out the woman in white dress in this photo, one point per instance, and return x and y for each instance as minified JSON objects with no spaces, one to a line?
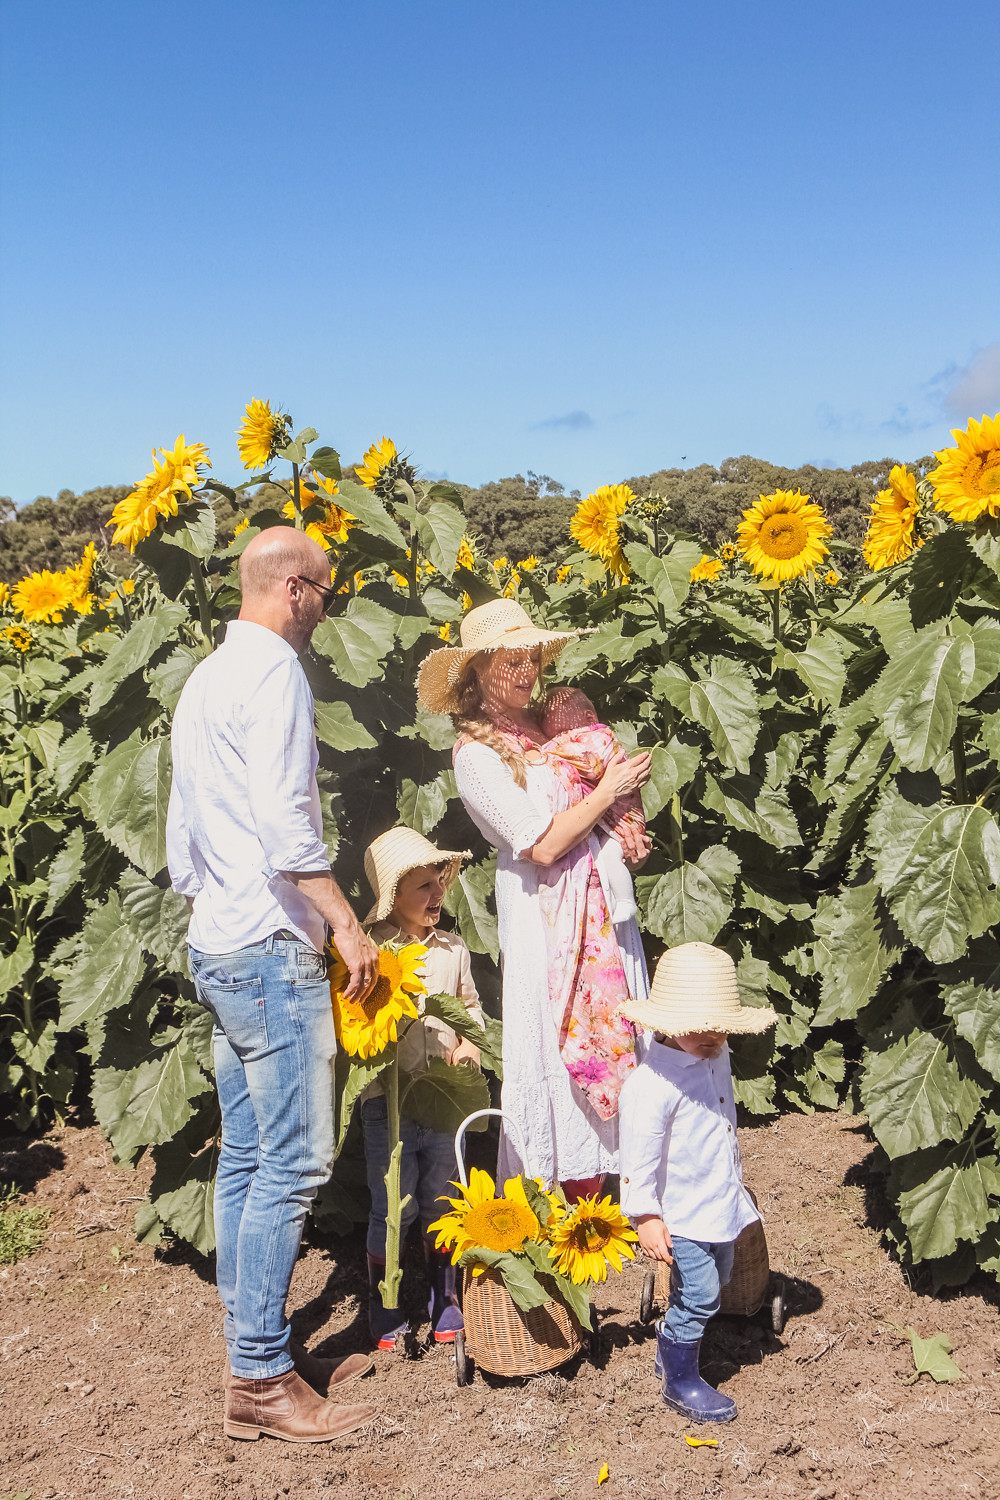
{"x":566,"y":967}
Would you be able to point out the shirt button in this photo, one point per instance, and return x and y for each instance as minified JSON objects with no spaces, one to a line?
{"x":729,"y":1128}
{"x":721,"y":1100}
{"x":624,"y":1179}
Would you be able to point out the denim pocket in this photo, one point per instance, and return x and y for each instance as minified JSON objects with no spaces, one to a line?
{"x":309,"y":966}
{"x":238,"y":1008}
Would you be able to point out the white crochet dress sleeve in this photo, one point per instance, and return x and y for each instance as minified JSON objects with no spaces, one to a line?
{"x":507,"y":814}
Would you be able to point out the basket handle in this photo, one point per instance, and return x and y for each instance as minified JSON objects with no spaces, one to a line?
{"x":480,"y":1114}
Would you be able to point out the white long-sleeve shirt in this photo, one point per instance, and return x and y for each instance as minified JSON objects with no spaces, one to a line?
{"x":244,"y":803}
{"x":680,"y":1159}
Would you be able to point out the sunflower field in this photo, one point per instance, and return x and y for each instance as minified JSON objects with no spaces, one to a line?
{"x":825,"y":729}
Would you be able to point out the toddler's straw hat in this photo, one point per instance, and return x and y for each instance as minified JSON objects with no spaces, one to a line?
{"x":695,"y":989}
{"x":392,"y":855}
{"x":501,"y":624}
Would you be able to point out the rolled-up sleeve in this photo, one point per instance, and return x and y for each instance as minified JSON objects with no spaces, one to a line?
{"x":504,"y":812}
{"x":281,"y":772}
{"x":644,"y":1121}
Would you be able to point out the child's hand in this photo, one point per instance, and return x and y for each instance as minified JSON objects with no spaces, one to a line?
{"x":654,"y":1238}
{"x":465,"y":1052}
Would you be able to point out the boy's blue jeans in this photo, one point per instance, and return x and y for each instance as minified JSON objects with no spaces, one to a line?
{"x":699,"y":1273}
{"x":426,"y":1168}
{"x":274,"y":1045}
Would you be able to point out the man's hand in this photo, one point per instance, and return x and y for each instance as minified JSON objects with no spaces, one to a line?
{"x":654,"y":1238}
{"x":353,"y":944}
{"x":466,"y":1051}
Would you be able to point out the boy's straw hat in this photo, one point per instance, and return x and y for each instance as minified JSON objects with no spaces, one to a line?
{"x":392,"y":855}
{"x":695,"y":989}
{"x":501,"y":624}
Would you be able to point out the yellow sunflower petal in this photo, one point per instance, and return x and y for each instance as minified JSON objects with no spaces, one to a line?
{"x":595,"y":525}
{"x":967,"y":479}
{"x":781,"y":536}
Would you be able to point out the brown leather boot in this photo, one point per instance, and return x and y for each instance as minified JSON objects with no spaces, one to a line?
{"x":286,"y":1407}
{"x":324,"y":1375}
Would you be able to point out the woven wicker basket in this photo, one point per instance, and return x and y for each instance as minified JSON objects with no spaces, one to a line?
{"x":506,"y":1341}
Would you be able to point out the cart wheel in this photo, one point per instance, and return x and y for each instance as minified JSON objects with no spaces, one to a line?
{"x":648,"y":1297}
{"x":463,"y":1364}
{"x":594,"y":1337}
{"x":778,"y":1306}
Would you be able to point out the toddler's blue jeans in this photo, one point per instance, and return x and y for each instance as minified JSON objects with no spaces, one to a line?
{"x":426,"y":1168}
{"x":274,"y":1044}
{"x":699,"y":1273}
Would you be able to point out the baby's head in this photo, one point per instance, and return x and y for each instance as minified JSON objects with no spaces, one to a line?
{"x":567,"y":708}
{"x":409,"y":878}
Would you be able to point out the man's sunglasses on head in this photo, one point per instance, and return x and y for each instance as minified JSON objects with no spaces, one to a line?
{"x":329,"y":594}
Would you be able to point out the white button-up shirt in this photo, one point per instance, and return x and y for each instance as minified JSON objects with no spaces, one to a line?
{"x":679,"y":1156}
{"x":244,"y":804}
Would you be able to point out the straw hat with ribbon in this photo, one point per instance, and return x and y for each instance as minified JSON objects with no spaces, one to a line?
{"x":695,"y":989}
{"x":392,"y":855}
{"x":499,"y":625}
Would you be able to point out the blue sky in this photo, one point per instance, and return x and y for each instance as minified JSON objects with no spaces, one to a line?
{"x":584,"y":238}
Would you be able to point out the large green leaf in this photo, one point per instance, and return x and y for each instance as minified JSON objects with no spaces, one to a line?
{"x":371,"y":513}
{"x":975,"y":1009}
{"x":337,"y":725}
{"x":919,"y":693}
{"x":192,"y":530}
{"x":488,"y":1038}
{"x":692,"y":903}
{"x":915,"y":1095}
{"x":148,"y":1104}
{"x":441,"y":528}
{"x":518,"y":1276}
{"x":183,"y":1183}
{"x":134,"y":650}
{"x":356,"y":641}
{"x":166,"y":681}
{"x":671,"y":768}
{"x":820,"y":665}
{"x":127,"y":798}
{"x":852,"y":952}
{"x":753,"y":808}
{"x":423,"y":807}
{"x":106,"y":970}
{"x":352,"y":1076}
{"x":15,"y":963}
{"x":938,"y":867}
{"x":985,"y":637}
{"x":74,"y":754}
{"x":65,"y":870}
{"x":723,"y":700}
{"x":159,"y":918}
{"x":668,"y":576}
{"x":945,"y":1198}
{"x":466,"y":900}
{"x":443,"y":1095}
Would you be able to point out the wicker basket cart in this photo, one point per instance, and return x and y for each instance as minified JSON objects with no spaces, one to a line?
{"x":498,"y":1336}
{"x":751,"y":1287}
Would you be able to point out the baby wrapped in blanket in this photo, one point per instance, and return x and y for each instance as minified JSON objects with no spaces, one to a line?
{"x":574,"y":732}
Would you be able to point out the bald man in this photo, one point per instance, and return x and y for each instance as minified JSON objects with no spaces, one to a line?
{"x":245,"y":845}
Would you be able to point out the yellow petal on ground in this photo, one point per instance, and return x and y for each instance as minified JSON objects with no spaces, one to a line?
{"x":701,"y":1442}
{"x":603,"y":1474}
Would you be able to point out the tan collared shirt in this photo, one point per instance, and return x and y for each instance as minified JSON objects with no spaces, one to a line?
{"x":447,"y":971}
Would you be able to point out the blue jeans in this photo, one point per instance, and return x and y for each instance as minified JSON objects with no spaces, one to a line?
{"x":274,"y":1045}
{"x":426,"y":1168}
{"x":699,"y":1273}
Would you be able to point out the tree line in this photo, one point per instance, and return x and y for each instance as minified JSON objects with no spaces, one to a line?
{"x":520,"y":516}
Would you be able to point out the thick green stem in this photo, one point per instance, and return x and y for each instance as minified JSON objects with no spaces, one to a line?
{"x":389,"y":1287}
{"x":958,"y":756}
{"x":201,"y":594}
{"x":297,"y":496}
{"x":776,"y":613}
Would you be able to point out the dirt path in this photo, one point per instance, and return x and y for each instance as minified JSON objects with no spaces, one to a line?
{"x":111,"y":1359}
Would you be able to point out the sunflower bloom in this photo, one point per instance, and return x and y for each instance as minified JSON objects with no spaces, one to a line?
{"x":706,"y":571}
{"x":81,"y":598}
{"x":335,"y":525}
{"x":382,"y":467}
{"x":174,"y":473}
{"x":594,"y":1234}
{"x":967,"y":479}
{"x":4,"y":595}
{"x":832,"y":578}
{"x":528,"y":564}
{"x":241,"y":526}
{"x":781,"y":537}
{"x":444,"y":631}
{"x":595,"y":525}
{"x":563,"y":573}
{"x":20,"y":639}
{"x":466,"y":556}
{"x":42,"y":596}
{"x":889,"y":537}
{"x":365,"y":1027}
{"x":262,"y":433}
{"x":729,"y":552}
{"x":482,"y":1221}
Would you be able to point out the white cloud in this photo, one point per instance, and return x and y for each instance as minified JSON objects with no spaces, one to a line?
{"x":976,"y":388}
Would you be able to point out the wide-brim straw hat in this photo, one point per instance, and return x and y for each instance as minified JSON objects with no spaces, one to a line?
{"x":392,"y":855}
{"x":695,"y":989}
{"x":500,"y":625}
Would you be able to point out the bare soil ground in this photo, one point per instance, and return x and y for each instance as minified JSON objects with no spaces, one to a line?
{"x":111,"y":1359}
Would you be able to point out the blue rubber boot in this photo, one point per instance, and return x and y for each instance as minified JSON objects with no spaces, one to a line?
{"x":443,"y":1309}
{"x":683,"y":1388}
{"x":387,"y":1324}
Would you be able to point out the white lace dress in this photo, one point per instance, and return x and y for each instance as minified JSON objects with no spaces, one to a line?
{"x":563,"y":1136}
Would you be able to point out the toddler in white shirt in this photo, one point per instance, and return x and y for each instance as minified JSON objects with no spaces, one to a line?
{"x":681,"y":1178}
